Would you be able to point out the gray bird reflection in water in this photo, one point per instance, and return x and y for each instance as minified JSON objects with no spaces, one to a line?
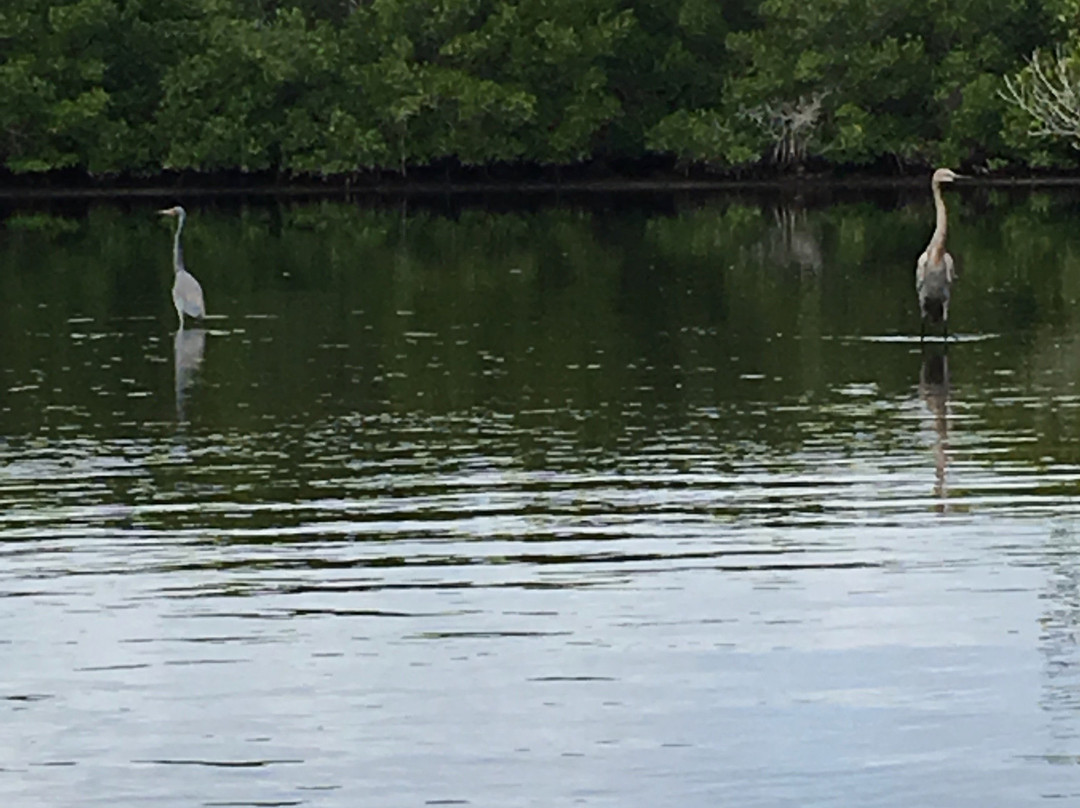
{"x":188,"y":347}
{"x":934,"y":391}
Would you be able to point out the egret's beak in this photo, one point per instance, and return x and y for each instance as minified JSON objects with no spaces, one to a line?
{"x":168,"y":212}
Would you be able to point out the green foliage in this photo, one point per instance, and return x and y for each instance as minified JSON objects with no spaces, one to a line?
{"x":702,"y":136}
{"x":52,"y":102}
{"x":225,"y":105}
{"x":320,"y":87}
{"x":556,"y":52}
{"x":41,"y":223}
{"x":853,"y":82}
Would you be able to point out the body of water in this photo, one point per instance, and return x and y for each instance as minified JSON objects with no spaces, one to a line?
{"x":616,"y":501}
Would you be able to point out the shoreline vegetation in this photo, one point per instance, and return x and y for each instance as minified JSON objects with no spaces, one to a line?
{"x":427,"y":183}
{"x":208,"y":186}
{"x":373,"y":96}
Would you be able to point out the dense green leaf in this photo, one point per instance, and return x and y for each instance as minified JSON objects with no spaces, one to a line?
{"x":325,"y":87}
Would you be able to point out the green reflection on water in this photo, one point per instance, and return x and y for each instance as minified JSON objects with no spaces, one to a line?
{"x":591,"y":319}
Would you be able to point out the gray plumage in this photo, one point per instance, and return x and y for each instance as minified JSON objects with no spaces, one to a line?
{"x":934,"y":271}
{"x":187,"y":294}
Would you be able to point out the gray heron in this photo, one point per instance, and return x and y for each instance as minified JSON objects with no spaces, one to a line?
{"x":187,"y":294}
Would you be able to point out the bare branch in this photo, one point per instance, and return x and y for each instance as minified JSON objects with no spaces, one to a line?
{"x":790,"y":124}
{"x":1048,"y":91}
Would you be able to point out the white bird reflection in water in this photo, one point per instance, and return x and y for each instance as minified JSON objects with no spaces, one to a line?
{"x":188,"y":347}
{"x":934,"y":391}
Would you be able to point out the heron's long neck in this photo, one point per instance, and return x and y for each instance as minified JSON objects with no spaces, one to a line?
{"x":937,"y":241}
{"x":177,"y":250}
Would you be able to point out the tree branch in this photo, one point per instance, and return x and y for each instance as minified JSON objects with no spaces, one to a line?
{"x":1048,"y":91}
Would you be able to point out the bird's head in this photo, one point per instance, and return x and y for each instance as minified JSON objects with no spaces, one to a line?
{"x":946,"y":175}
{"x":174,"y":211}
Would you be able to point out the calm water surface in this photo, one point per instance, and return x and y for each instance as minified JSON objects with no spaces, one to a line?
{"x":627,"y":502}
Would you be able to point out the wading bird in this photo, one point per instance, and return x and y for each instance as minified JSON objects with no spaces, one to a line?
{"x":186,"y":293}
{"x":934,"y":271}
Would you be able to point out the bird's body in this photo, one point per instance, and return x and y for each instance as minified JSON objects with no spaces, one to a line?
{"x":934,"y":271}
{"x":187,"y":294}
{"x":934,"y":275}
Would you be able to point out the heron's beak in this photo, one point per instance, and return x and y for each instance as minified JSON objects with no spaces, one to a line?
{"x":168,"y":212}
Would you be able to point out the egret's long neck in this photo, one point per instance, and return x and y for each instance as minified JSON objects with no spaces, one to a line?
{"x":937,"y":241}
{"x":178,"y":251}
